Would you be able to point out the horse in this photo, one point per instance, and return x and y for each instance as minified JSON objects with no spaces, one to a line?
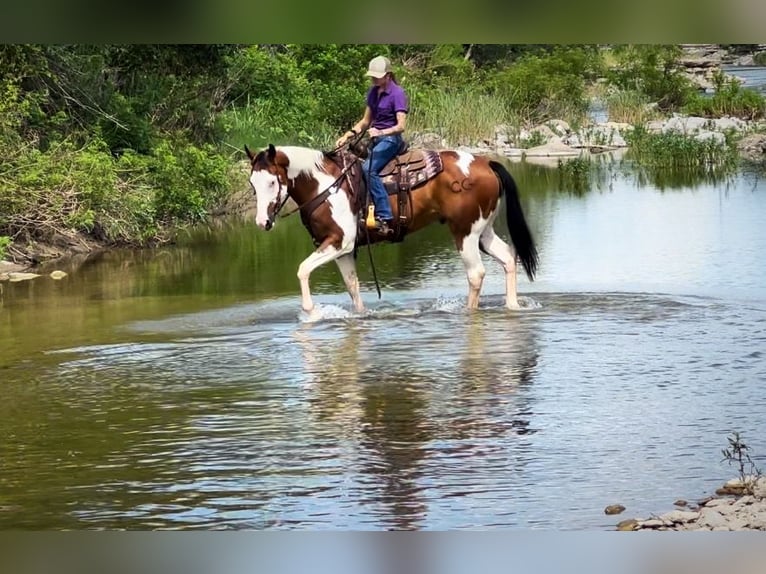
{"x":464,"y":194}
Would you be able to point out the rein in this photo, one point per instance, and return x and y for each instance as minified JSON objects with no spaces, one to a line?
{"x":323,"y":194}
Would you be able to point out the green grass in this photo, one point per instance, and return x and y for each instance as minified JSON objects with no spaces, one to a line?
{"x":673,"y":150}
{"x":461,"y":116}
{"x":629,"y":106}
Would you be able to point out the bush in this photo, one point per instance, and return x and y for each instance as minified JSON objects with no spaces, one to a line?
{"x":653,"y":71}
{"x":5,"y":243}
{"x":546,"y":87}
{"x":729,"y":99}
{"x":187,"y":181}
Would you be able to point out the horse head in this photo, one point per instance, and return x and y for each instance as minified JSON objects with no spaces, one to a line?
{"x":269,"y":181}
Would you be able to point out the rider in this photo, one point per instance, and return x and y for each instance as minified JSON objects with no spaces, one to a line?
{"x":385,"y":115}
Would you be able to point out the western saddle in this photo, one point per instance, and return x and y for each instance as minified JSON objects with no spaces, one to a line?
{"x":409,"y":169}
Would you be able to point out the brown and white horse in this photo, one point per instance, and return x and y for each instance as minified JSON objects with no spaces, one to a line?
{"x":465,"y":195}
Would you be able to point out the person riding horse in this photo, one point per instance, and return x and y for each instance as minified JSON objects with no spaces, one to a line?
{"x":385,"y":115}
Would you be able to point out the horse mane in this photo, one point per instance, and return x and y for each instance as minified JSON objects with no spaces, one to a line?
{"x":303,"y":159}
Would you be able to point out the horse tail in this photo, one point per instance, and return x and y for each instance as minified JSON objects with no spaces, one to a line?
{"x":517,"y":225}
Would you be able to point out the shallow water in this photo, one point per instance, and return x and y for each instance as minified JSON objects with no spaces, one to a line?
{"x":183,"y":388}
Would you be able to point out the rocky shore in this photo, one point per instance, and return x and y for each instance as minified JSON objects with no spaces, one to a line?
{"x":739,"y":505}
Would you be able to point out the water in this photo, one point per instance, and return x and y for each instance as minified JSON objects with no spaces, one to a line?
{"x":183,"y":388}
{"x":752,"y":76}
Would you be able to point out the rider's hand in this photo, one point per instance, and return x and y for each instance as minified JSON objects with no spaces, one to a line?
{"x":374,"y":132}
{"x":341,"y":140}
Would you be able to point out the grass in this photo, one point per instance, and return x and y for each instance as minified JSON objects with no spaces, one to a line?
{"x":677,"y":150}
{"x":629,"y":106}
{"x":462,"y":116}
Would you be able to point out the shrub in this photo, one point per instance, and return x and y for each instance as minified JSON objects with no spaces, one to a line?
{"x":548,"y":86}
{"x":729,"y":99}
{"x":652,"y":70}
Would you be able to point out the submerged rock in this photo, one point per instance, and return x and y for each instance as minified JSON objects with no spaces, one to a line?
{"x":614,"y":509}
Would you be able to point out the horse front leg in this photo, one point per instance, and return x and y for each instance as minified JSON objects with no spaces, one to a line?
{"x":326,"y":252}
{"x":347,"y":267}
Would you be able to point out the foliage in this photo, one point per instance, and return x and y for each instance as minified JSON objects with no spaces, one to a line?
{"x":129,"y":142}
{"x":629,"y":106}
{"x":5,"y":243}
{"x":575,"y":175}
{"x":729,"y":99}
{"x":651,"y":70}
{"x":677,"y":150}
{"x":541,"y":87}
{"x":462,"y":117}
{"x":760,"y":59}
{"x":738,"y":453}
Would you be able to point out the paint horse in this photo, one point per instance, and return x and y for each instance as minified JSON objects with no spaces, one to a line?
{"x":465,"y":195}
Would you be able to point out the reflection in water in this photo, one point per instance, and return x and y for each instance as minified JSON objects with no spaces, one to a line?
{"x":416,"y":421}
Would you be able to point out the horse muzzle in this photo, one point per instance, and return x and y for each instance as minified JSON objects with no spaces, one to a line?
{"x":268,"y":225}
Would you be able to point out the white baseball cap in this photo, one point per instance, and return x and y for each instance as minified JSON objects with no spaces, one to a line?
{"x":379,"y":67}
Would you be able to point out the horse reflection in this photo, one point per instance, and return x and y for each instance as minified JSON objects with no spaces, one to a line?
{"x":383,"y":414}
{"x":491,"y":386}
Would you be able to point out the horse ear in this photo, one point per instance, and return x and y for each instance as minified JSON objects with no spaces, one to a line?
{"x":248,"y":152}
{"x":272,"y":153}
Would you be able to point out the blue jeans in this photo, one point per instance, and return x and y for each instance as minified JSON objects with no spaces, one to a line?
{"x":383,"y":151}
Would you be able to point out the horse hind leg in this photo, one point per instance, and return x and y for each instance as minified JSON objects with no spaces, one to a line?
{"x":506,"y":256}
{"x":347,"y":267}
{"x":474,"y":267}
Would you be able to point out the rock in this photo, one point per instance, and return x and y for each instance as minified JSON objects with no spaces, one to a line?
{"x":681,"y":516}
{"x":14,"y":277}
{"x":559,"y":127}
{"x":715,"y":502}
{"x":726,"y":123}
{"x":652,"y":523}
{"x":680,"y":502}
{"x":552,"y":149}
{"x":737,"y":523}
{"x":685,"y":125}
{"x":7,"y":267}
{"x":57,"y":275}
{"x":710,"y":518}
{"x":614,"y":509}
{"x":628,"y":525}
{"x":428,"y":140}
{"x":753,"y":147}
{"x":759,"y":488}
{"x":716,"y":137}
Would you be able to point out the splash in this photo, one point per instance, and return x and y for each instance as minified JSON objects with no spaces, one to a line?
{"x":325,"y":312}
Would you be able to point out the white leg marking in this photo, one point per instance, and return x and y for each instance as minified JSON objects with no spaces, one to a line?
{"x":347,"y":267}
{"x":464,"y":160}
{"x":308,"y":265}
{"x":506,"y":256}
{"x":474,"y":267}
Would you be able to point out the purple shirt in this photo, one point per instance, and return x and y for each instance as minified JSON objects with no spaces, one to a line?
{"x":385,"y":104}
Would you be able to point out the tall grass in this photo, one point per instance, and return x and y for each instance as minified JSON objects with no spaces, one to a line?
{"x":629,"y":106}
{"x":461,"y":116}
{"x":729,"y":99}
{"x":673,"y":150}
{"x":262,"y":122}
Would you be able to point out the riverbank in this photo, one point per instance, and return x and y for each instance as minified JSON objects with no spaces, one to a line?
{"x":738,"y":506}
{"x":548,"y":144}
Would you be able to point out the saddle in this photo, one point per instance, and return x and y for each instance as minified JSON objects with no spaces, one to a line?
{"x":410,"y":169}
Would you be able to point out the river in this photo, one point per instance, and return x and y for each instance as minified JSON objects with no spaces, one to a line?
{"x":182,"y":388}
